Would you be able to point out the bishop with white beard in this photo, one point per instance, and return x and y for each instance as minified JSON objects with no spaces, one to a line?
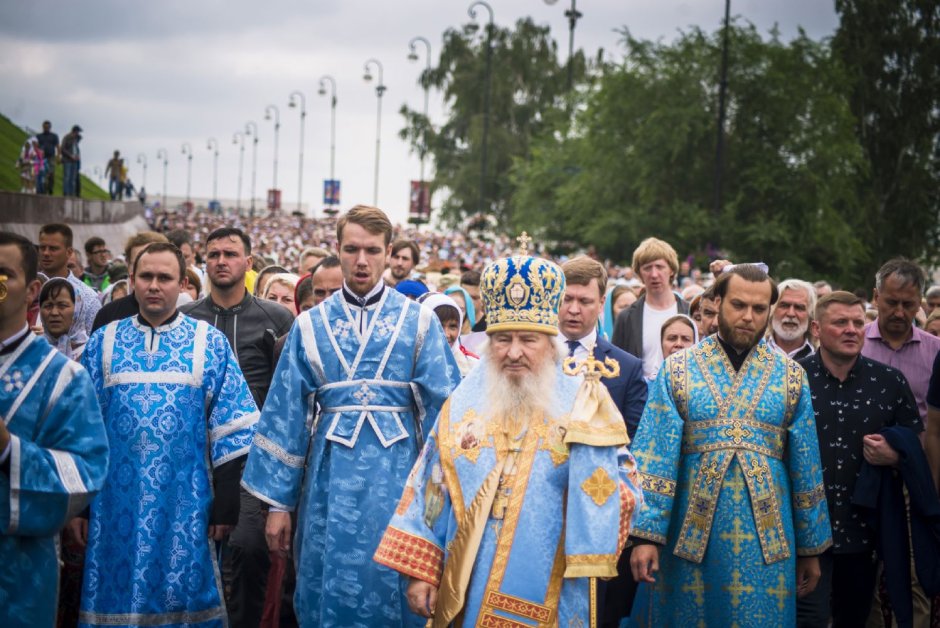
{"x":525,"y":491}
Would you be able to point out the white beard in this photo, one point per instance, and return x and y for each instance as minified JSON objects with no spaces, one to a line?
{"x":786,"y":334}
{"x":513,"y":400}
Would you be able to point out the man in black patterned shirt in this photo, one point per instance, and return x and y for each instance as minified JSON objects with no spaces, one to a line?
{"x":853,"y":398}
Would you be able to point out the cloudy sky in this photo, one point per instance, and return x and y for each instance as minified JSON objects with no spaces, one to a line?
{"x":143,"y":76}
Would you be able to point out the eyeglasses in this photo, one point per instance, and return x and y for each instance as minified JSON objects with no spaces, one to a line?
{"x":101,"y":251}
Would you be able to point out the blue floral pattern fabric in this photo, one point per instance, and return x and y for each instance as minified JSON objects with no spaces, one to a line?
{"x":340,"y":430}
{"x":58,"y":461}
{"x":176,"y":406}
{"x":729,"y":463}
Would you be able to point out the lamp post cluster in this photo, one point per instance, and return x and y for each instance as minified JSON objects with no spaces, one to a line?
{"x":373,"y":70}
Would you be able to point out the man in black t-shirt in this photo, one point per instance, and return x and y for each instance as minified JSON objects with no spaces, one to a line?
{"x":49,"y":145}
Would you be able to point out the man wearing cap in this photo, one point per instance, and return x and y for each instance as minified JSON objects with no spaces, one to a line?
{"x":523,"y":495}
{"x":361,"y":378}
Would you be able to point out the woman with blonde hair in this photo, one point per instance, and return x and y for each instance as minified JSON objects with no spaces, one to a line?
{"x":280,"y":289}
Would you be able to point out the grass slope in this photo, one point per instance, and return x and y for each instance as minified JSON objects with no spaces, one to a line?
{"x":12,"y":138}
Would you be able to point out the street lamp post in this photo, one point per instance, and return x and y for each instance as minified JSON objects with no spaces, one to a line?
{"x":379,"y":90}
{"x":252,"y":129}
{"x":142,"y":159}
{"x":161,"y":154}
{"x":322,"y":91}
{"x":277,"y":127}
{"x":300,"y":163}
{"x":239,"y":138}
{"x":722,"y":94}
{"x":188,"y":151}
{"x":211,"y":144}
{"x":573,"y":15}
{"x":486,"y":96}
{"x":413,"y":56}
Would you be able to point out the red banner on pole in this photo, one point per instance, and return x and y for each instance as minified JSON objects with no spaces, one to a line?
{"x":419,"y":210}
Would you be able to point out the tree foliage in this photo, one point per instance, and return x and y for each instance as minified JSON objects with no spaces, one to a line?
{"x":640,"y":157}
{"x":831,"y":147}
{"x":528,"y":84}
{"x":890,"y":49}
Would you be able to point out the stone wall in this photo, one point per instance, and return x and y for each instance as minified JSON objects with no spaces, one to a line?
{"x":112,"y":220}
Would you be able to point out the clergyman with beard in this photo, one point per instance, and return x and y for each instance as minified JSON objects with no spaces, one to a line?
{"x":524,"y":492}
{"x":789,"y":322}
{"x":735,"y":514}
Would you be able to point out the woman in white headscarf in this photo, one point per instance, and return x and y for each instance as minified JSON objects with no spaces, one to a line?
{"x":30,"y":164}
{"x":60,"y":312}
{"x":451,"y":318}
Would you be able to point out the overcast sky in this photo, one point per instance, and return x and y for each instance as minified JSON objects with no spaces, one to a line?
{"x":143,"y":76}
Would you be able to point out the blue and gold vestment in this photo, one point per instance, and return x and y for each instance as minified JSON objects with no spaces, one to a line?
{"x":560,"y":515}
{"x":176,"y":407}
{"x":729,"y":464}
{"x":58,"y":461}
{"x":354,"y":393}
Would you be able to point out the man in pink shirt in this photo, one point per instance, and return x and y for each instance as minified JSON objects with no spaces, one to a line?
{"x":892,"y":338}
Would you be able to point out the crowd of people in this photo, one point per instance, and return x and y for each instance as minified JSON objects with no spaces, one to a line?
{"x":41,"y":154}
{"x":287,"y":421}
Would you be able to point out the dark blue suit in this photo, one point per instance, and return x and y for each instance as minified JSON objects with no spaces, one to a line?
{"x":628,"y":389}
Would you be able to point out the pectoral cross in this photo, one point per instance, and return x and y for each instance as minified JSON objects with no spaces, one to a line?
{"x":504,"y":488}
{"x":501,"y":501}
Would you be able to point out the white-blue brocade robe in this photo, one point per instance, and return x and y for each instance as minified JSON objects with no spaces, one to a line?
{"x":176,"y":406}
{"x":58,"y":461}
{"x":525,"y":571}
{"x":730,"y":468}
{"x":340,"y":430}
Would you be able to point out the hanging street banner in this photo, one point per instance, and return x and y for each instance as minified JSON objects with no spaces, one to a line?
{"x":419,"y":210}
{"x":330,"y":192}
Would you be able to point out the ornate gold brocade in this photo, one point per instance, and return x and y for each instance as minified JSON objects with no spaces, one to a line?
{"x":599,"y":487}
{"x":411,"y":555}
{"x":733,"y":435}
{"x":657,"y":484}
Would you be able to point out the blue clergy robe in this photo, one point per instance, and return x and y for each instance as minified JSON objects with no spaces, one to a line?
{"x":559,"y":516}
{"x":354,"y":393}
{"x":730,"y":468}
{"x":176,"y":407}
{"x":58,"y":460}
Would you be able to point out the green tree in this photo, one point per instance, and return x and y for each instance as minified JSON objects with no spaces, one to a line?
{"x":890,"y":49}
{"x":639,"y":158}
{"x":528,"y":88}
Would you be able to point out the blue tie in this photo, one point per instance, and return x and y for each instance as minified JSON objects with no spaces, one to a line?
{"x":572,"y":347}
